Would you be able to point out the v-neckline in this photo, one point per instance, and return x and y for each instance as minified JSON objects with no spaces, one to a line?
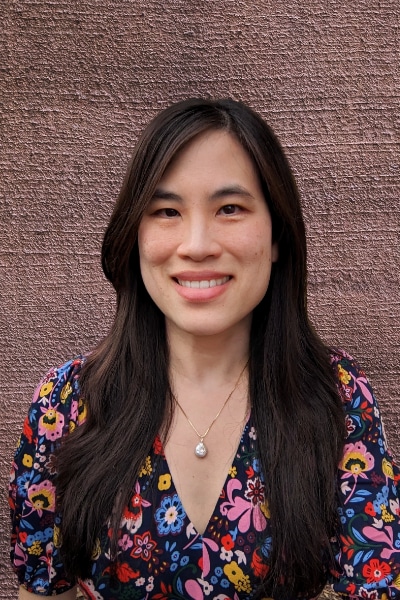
{"x":236,"y":457}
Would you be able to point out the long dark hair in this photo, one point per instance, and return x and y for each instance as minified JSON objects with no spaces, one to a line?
{"x":294,"y":399}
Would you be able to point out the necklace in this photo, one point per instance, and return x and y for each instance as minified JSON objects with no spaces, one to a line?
{"x":201,"y":449}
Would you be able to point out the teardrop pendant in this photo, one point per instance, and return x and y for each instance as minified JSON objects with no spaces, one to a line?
{"x":200,"y":450}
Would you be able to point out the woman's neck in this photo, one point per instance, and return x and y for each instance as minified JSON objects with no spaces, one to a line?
{"x":207,"y":361}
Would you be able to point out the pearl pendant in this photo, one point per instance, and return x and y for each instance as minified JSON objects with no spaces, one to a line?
{"x":200,"y":450}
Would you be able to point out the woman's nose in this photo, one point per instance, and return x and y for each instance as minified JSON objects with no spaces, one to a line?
{"x":199,"y":240}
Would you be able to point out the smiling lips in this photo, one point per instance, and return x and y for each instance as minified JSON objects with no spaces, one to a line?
{"x":201,"y":287}
{"x":203,"y":283}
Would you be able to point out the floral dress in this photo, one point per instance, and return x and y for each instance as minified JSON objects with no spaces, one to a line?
{"x":161,"y":555}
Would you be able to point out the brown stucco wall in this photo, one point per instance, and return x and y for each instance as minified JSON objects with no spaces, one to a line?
{"x":78,"y":81}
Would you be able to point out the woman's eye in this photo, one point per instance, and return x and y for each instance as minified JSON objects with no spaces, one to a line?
{"x":229,"y":209}
{"x":167,"y":212}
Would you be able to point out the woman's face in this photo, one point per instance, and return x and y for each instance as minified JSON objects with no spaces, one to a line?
{"x":205,"y":241}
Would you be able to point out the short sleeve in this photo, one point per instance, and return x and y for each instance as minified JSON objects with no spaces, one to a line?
{"x":368,"y":543}
{"x":56,"y":410}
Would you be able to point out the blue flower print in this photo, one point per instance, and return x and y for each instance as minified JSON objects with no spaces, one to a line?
{"x":22,"y":483}
{"x":266,"y":547}
{"x":170,"y":516}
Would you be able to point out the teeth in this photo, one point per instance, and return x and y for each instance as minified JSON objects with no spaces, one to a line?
{"x":204,"y":283}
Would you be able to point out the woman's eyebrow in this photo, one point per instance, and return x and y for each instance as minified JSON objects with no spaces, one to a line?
{"x":223,"y":192}
{"x":231,"y":190}
{"x":161,"y":194}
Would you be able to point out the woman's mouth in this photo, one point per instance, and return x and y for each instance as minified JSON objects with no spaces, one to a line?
{"x":203,"y":283}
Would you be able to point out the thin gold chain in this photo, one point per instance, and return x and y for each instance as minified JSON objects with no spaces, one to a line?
{"x":218,"y":413}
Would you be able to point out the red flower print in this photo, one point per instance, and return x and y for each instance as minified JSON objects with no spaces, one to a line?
{"x":369,"y":509}
{"x":375,"y":570}
{"x":250,"y":472}
{"x":351,"y":588}
{"x":28,"y":431}
{"x":157,"y":446}
{"x":227,"y":541}
{"x":260,"y":569}
{"x":348,"y":546}
{"x":368,"y":594}
{"x":143,"y":545}
{"x":377,"y":479}
{"x":134,"y":508}
{"x":255,"y":491}
{"x":349,"y":424}
{"x":125,"y":573}
{"x":366,"y":411}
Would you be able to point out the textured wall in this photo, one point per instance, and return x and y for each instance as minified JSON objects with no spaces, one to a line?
{"x":78,"y":81}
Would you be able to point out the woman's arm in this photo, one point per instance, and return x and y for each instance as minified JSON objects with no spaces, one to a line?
{"x":368,"y":541}
{"x":24,"y":595}
{"x":35,"y":524}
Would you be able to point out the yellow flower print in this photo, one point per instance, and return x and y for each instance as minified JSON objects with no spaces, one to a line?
{"x":243,"y":585}
{"x":36,"y":548}
{"x":82,"y":411}
{"x":66,"y":391}
{"x":386,"y":516}
{"x":27,"y":460}
{"x":232,"y":471}
{"x":356,"y":460}
{"x":344,"y":376}
{"x":51,"y":424}
{"x":164,"y":482}
{"x":146,"y":468}
{"x":387,"y":468}
{"x":96,"y":550}
{"x":265,"y":509}
{"x":396,"y":582}
{"x":233,"y":572}
{"x":46,"y":389}
{"x":71,"y":426}
{"x":42,"y":496}
{"x":236,"y":576}
{"x":57,"y":536}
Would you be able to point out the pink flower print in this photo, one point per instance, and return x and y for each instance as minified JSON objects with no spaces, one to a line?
{"x":143,"y":546}
{"x":20,"y":556}
{"x":74,"y":410}
{"x":208,"y":543}
{"x":384,"y":536}
{"x":355,"y":462}
{"x":194,"y":590}
{"x":42,"y":497}
{"x":125,"y":542}
{"x":363,"y":385}
{"x":242,"y":510}
{"x":51,"y":424}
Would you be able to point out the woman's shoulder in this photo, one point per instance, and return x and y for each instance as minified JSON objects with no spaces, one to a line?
{"x":350,"y":376}
{"x":67,"y":371}
{"x":57,"y":406}
{"x":339,"y":355}
{"x":358,"y":398}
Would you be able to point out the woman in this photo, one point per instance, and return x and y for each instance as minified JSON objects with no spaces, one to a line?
{"x":211,"y":379}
